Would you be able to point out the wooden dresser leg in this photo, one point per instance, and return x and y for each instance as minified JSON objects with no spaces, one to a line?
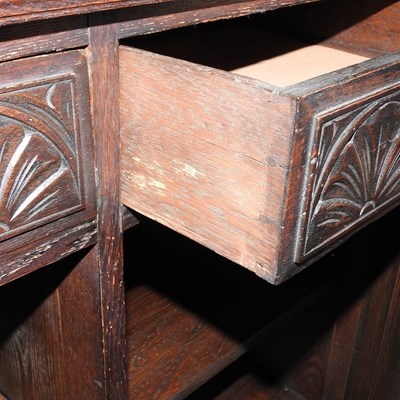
{"x":62,"y":329}
{"x":104,"y":72}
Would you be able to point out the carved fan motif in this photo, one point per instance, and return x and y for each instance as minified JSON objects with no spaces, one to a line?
{"x":356,"y":170}
{"x":39,"y":169}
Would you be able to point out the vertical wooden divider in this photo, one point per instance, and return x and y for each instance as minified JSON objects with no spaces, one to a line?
{"x":104,"y":71}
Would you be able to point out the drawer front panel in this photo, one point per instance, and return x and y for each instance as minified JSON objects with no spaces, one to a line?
{"x":44,"y":131}
{"x":355,"y":170}
{"x":351,"y":134}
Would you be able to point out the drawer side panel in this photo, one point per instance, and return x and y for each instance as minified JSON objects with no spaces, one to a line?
{"x":206,"y":153}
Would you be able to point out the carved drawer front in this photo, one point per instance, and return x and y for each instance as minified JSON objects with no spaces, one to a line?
{"x":353,"y":167}
{"x":45,"y":147}
{"x":272,"y":163}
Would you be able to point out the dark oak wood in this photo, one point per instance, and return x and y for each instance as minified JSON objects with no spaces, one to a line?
{"x":250,"y":388}
{"x":350,"y":24}
{"x":103,"y":66}
{"x":129,"y":220}
{"x":385,"y":383}
{"x":42,"y":37}
{"x":360,"y":338}
{"x":15,"y":11}
{"x":244,"y":380}
{"x":45,"y":132}
{"x":46,"y":246}
{"x":50,"y":340}
{"x":177,"y":14}
{"x":320,"y":145}
{"x":340,"y":343}
{"x":190,"y":313}
{"x":271,"y":176}
{"x":46,"y":198}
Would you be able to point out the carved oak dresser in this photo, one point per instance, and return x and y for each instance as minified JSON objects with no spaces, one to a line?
{"x":162,"y":162}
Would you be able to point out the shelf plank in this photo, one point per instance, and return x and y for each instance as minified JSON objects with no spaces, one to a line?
{"x":249,"y":387}
{"x":191,"y":313}
{"x":174,"y":350}
{"x":245,"y":380}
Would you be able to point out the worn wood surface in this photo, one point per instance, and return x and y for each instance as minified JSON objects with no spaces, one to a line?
{"x":352,"y":25}
{"x":44,"y":115}
{"x":385,"y":383}
{"x":15,"y":11}
{"x":337,"y":140}
{"x":190,"y":313}
{"x":103,"y":66}
{"x":339,"y":347}
{"x":244,"y":380}
{"x":176,"y":14}
{"x":50,"y":349}
{"x":50,"y":333}
{"x":47,"y":200}
{"x":246,"y":183}
{"x":45,"y":246}
{"x":215,"y":169}
{"x":18,"y":41}
{"x":341,"y":342}
{"x":363,"y":332}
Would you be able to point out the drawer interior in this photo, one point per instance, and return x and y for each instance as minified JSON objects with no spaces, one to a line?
{"x":251,"y":51}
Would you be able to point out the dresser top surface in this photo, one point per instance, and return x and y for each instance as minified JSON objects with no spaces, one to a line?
{"x":15,"y":11}
{"x":18,"y":11}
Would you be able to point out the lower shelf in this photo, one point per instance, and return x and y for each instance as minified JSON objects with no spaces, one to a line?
{"x":245,"y":380}
{"x":191,"y":313}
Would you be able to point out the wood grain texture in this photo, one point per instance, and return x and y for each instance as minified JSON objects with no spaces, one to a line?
{"x":190,"y":312}
{"x":176,"y":14}
{"x":154,"y":357}
{"x":352,"y":25}
{"x":42,"y":37}
{"x":215,"y":155}
{"x":245,"y":380}
{"x":385,"y":383}
{"x":345,"y":191}
{"x":45,"y":245}
{"x":129,"y":220}
{"x":103,"y":66}
{"x":246,"y":183}
{"x":46,"y":162}
{"x":40,"y":160}
{"x":17,"y":11}
{"x":335,"y":349}
{"x":359,"y":339}
{"x":50,"y":340}
{"x":250,"y":387}
{"x":365,"y":88}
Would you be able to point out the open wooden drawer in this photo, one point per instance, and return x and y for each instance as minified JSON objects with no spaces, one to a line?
{"x":268,"y":169}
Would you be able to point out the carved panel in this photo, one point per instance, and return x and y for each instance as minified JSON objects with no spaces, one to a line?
{"x":40,"y":146}
{"x":354,"y":170}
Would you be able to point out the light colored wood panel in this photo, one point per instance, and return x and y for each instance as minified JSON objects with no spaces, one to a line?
{"x":206,"y":153}
{"x":303,"y":62}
